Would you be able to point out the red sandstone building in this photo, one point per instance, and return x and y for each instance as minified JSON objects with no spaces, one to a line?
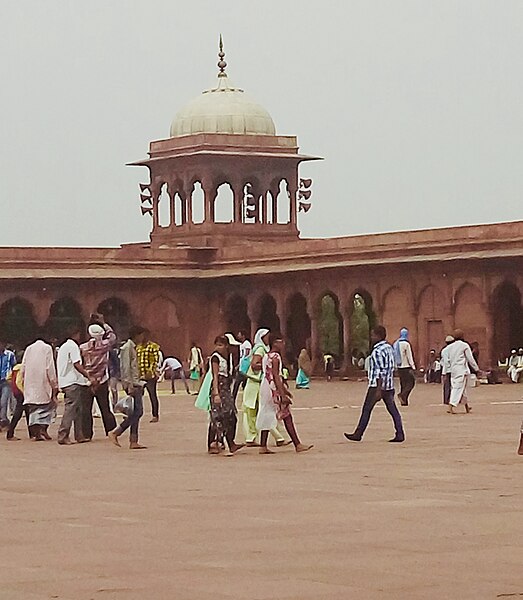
{"x":225,"y":254}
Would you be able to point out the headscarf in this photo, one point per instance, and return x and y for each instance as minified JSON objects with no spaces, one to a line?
{"x":258,"y":338}
{"x":304,"y":362}
{"x":404,"y":337}
{"x":232,"y":340}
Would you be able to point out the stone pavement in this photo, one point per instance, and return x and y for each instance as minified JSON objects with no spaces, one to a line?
{"x":439,"y":517}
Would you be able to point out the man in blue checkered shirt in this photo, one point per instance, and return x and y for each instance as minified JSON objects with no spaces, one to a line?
{"x":381,"y":387}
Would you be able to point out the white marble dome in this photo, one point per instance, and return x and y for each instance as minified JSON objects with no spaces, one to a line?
{"x":223,"y":109}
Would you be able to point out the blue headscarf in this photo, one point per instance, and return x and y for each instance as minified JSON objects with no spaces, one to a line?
{"x":404,"y":337}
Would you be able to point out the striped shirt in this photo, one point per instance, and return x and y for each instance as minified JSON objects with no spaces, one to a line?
{"x":7,"y":362}
{"x":381,"y":368}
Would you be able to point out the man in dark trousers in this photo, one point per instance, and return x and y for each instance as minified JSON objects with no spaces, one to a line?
{"x":381,"y":387}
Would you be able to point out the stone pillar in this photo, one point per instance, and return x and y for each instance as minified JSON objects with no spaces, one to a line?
{"x":489,"y":350}
{"x":188,"y":189}
{"x":155,"y":194}
{"x":281,"y":310}
{"x":262,"y":203}
{"x":183,"y":198}
{"x":172,"y":205}
{"x":347,"y":354}
{"x":208,"y":202}
{"x":237,"y":190}
{"x":315,"y":340}
{"x":292,"y":186}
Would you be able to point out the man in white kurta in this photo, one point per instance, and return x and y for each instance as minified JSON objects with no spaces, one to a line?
{"x":515,"y":366}
{"x":40,"y":387}
{"x":460,"y":359}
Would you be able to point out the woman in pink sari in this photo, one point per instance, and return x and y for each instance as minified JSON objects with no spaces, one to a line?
{"x":275,"y":399}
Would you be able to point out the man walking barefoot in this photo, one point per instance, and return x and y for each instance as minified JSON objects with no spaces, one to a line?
{"x":133,"y":386}
{"x":460,"y":360}
{"x":381,"y":387}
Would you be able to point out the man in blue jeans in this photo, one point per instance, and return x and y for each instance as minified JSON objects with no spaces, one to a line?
{"x":381,"y":387}
{"x":131,"y":383}
{"x":7,"y":362}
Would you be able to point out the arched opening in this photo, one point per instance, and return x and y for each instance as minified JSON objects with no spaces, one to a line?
{"x":396,"y":314}
{"x":63,"y":313}
{"x":362,"y":320}
{"x":160,"y":317}
{"x":507,"y":316}
{"x":298,"y":326}
{"x":178,"y":209}
{"x":431,"y":330}
{"x":224,"y":204}
{"x":18,"y":325}
{"x":268,"y":315}
{"x":284,"y":203}
{"x":331,"y":327}
{"x":116,"y":314}
{"x":269,"y":202}
{"x":164,"y":207}
{"x":236,"y":315}
{"x":198,"y":203}
{"x":251,"y":204}
{"x":470,"y":315}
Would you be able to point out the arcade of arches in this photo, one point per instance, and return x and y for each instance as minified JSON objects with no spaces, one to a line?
{"x":335,"y":319}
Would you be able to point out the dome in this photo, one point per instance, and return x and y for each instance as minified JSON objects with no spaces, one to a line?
{"x":223,"y":109}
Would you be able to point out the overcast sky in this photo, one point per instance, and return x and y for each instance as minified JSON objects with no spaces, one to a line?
{"x":416,"y":106}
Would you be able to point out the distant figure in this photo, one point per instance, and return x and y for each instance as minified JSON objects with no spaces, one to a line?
{"x":74,"y":381}
{"x":173,"y":369}
{"x":515,"y":366}
{"x":275,"y":399}
{"x":133,"y":386}
{"x":328,"y":366}
{"x":405,"y":365}
{"x":95,"y":355}
{"x":195,"y":366}
{"x":520,"y":449}
{"x":240,"y":377}
{"x":40,"y":383}
{"x":461,"y":361}
{"x":149,"y":361}
{"x":304,"y":370}
{"x":223,"y":420}
{"x":433,"y":370}
{"x":7,"y":362}
{"x":251,"y":394}
{"x":445,"y":369}
{"x":381,"y":387}
{"x":17,"y":388}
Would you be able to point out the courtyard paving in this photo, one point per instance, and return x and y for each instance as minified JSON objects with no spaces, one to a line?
{"x":439,"y":517}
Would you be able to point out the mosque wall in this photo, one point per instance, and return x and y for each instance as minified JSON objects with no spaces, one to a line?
{"x":325,"y":309}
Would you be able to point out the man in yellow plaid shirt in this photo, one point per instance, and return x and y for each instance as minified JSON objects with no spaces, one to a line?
{"x":149,"y":358}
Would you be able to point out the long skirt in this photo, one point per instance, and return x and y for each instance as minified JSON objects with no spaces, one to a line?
{"x":302,"y":381}
{"x":41,"y":414}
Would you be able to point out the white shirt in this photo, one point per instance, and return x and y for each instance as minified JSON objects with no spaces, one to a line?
{"x":460,"y":357}
{"x":39,"y":373}
{"x":445,"y":361}
{"x":407,"y":360}
{"x":68,"y":355}
{"x":245,"y":349}
{"x":171,"y":363}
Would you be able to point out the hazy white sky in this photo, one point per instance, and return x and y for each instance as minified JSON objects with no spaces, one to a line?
{"x":416,"y":106}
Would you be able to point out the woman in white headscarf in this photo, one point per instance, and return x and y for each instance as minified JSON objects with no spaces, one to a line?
{"x":251,"y":393}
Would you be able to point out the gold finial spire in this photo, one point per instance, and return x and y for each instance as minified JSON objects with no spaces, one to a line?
{"x":222,"y":65}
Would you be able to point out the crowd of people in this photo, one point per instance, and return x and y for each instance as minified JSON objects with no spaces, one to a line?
{"x":95,"y":370}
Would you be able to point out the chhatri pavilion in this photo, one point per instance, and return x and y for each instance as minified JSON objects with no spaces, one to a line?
{"x":225,"y":254}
